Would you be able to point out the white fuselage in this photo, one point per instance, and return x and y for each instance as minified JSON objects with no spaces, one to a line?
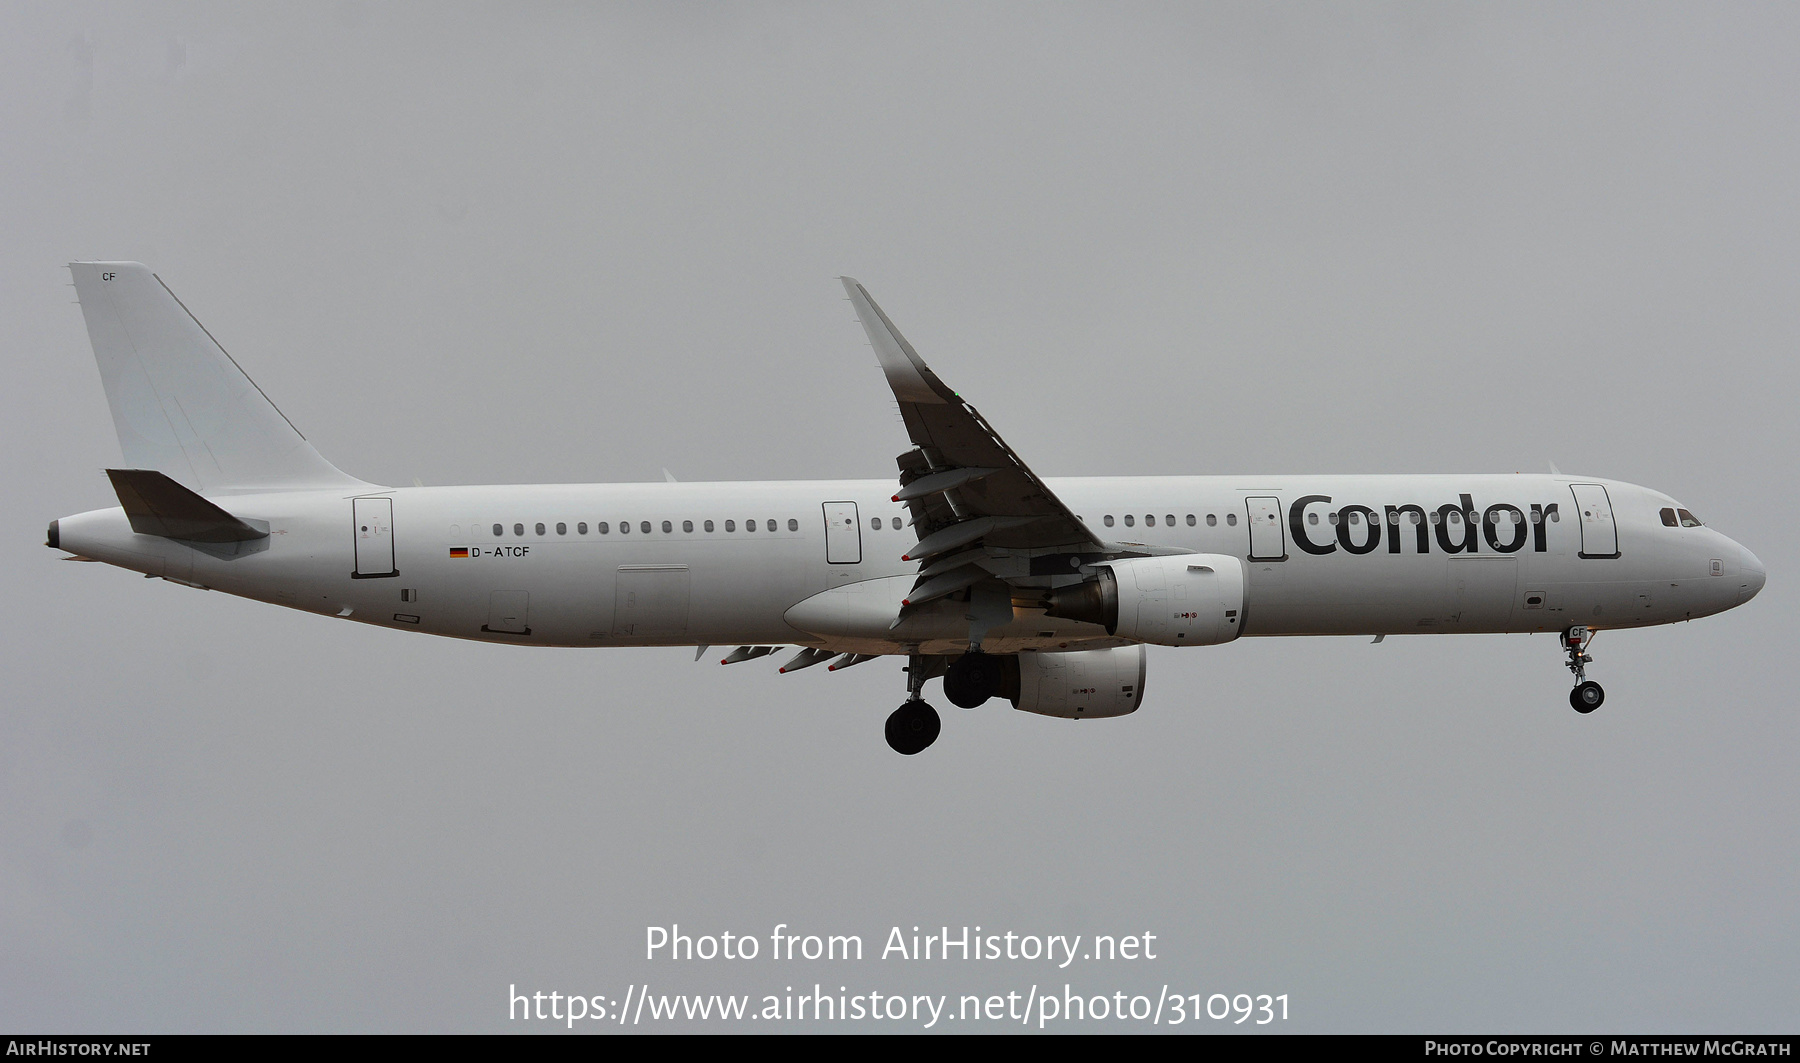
{"x":1407,"y":561}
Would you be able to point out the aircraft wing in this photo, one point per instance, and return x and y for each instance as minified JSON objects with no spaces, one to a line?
{"x":976,"y":506}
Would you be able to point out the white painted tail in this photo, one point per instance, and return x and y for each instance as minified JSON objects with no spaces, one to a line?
{"x":180,"y":404}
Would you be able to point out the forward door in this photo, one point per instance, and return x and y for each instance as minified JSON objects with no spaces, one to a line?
{"x":1599,"y":534}
{"x":1482,"y":590}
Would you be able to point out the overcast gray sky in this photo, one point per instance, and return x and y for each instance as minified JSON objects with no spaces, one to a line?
{"x":534,"y":243}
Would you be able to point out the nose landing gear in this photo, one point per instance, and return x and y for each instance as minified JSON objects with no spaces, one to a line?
{"x":1587,"y":695}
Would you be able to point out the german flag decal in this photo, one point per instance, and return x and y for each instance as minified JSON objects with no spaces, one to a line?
{"x":459,"y":551}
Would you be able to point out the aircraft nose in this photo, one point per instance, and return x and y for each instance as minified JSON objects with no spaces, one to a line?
{"x":1754,"y":576}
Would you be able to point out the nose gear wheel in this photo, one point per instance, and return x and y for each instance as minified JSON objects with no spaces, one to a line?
{"x":1587,"y":695}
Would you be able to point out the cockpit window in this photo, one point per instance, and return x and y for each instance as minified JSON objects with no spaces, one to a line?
{"x":1668,"y":519}
{"x":1688,"y":520}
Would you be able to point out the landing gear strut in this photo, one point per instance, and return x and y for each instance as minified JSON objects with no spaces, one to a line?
{"x":914,"y":725}
{"x":1587,"y":695}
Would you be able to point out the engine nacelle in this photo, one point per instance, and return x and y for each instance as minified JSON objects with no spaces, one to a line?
{"x":1171,"y":600}
{"x":1082,"y":683}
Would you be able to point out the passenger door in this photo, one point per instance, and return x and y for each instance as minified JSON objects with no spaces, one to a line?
{"x":843,"y":534}
{"x":1599,"y":534}
{"x":372,"y":521}
{"x":1268,"y":542}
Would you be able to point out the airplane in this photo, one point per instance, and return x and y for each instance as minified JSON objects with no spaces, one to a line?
{"x":1044,"y":592}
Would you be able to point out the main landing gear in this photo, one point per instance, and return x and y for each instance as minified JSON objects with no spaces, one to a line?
{"x":1587,"y":695}
{"x":914,"y":725}
{"x":972,"y":679}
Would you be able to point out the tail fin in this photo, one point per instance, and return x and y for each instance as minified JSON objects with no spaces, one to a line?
{"x":180,"y":404}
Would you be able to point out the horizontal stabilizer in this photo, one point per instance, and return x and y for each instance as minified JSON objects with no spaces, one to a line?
{"x":157,"y":505}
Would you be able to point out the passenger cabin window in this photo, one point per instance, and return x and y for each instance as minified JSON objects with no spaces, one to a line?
{"x":1190,"y":520}
{"x":687,"y":525}
{"x":1149,"y":520}
{"x":1130,"y":521}
{"x":731,"y":525}
{"x":1212,"y":520}
{"x":561,"y":528}
{"x":708,"y":525}
{"x":581,"y":528}
{"x":749,"y":525}
{"x":1169,"y":519}
{"x":498,"y":531}
{"x":667,"y":527}
{"x":793,"y":525}
{"x":518,"y":529}
{"x":875,"y":523}
{"x":894,"y":523}
{"x":602,"y":527}
{"x":771,"y":525}
{"x":1688,"y":520}
{"x":1231,"y":519}
{"x":624,"y":527}
{"x":540,"y":529}
{"x":1107,"y":520}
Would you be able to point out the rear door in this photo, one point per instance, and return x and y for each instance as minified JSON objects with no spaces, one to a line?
{"x":1599,"y":534}
{"x":372,"y":521}
{"x":509,"y":613}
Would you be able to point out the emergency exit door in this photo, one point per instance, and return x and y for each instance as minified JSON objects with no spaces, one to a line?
{"x":372,"y":521}
{"x":843,"y":534}
{"x":1267,"y":540}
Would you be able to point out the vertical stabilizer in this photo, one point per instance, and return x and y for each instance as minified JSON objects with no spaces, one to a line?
{"x":180,"y":404}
